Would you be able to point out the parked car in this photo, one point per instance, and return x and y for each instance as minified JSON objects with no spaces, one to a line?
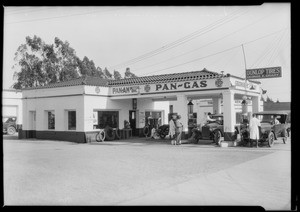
{"x":163,"y":130}
{"x":9,"y":125}
{"x":214,"y":130}
{"x":269,"y":131}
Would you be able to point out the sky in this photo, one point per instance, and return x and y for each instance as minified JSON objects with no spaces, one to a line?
{"x":163,"y":39}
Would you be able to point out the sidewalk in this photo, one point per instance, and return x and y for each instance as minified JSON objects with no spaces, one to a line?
{"x":267,"y":184}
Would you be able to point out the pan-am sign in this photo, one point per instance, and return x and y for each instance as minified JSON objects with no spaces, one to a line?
{"x":259,"y":73}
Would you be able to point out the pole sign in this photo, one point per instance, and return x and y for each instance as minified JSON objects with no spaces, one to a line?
{"x":259,"y":73}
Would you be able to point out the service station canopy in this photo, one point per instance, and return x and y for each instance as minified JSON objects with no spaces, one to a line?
{"x":221,"y":83}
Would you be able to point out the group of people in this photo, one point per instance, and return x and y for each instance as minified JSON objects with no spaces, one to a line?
{"x":175,"y":129}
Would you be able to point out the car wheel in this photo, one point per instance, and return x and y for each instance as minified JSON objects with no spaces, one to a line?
{"x":11,"y":130}
{"x":162,"y":136}
{"x":271,"y":139}
{"x":217,"y":137}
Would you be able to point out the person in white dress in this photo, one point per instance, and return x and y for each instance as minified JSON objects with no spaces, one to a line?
{"x":254,"y":130}
{"x":172,"y":129}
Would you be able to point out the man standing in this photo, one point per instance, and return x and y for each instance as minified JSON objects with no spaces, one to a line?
{"x":208,"y":118}
{"x":179,"y":127}
{"x":254,"y":130}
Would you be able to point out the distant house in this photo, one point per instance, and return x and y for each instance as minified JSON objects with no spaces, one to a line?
{"x":12,"y":104}
{"x":282,"y":106}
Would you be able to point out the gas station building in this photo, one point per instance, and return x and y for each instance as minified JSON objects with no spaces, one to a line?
{"x":75,"y":110}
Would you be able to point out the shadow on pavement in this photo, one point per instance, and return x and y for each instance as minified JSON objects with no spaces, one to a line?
{"x":10,"y":137}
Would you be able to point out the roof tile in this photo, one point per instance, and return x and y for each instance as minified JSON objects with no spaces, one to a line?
{"x":96,"y":81}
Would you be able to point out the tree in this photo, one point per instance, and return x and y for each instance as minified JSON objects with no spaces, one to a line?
{"x":107,"y":74}
{"x":28,"y":61}
{"x":269,"y":99}
{"x":67,"y":66}
{"x":117,"y":75}
{"x":38,"y":63}
{"x":129,"y":74}
{"x":99,"y":73}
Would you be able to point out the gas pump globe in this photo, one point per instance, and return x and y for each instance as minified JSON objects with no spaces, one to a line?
{"x":244,"y":108}
{"x":190,"y":107}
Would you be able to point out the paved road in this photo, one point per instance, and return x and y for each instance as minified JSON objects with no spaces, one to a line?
{"x":141,"y":172}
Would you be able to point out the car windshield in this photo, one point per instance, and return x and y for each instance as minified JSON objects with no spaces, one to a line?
{"x":268,"y":118}
{"x":8,"y":119}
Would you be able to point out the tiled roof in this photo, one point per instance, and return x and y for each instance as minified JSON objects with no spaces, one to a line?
{"x":96,"y":81}
{"x":87,"y":80}
{"x":184,"y":76}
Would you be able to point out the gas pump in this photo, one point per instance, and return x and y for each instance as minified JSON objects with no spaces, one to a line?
{"x":192,"y":118}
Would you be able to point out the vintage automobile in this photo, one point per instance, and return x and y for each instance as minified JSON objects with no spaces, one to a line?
{"x":9,"y":125}
{"x":214,"y":130}
{"x":269,"y":130}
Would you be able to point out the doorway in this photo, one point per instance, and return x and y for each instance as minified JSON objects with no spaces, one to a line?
{"x":132,"y":121}
{"x":32,"y":124}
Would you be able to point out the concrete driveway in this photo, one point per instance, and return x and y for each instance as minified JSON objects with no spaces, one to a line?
{"x":143,"y":172}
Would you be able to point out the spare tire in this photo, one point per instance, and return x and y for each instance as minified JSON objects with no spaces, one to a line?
{"x":109,"y":134}
{"x":146,"y":131}
{"x":117,"y":133}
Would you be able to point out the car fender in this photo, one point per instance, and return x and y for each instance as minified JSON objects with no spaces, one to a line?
{"x":215,"y":130}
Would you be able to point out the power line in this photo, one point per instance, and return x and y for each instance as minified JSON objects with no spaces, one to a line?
{"x":24,"y":12}
{"x":216,"y":52}
{"x":179,"y":41}
{"x":17,"y":10}
{"x":265,"y":53}
{"x":63,"y":16}
{"x":278,"y":47}
{"x":196,"y":59}
{"x":205,"y":44}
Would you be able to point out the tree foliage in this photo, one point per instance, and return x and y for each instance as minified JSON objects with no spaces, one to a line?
{"x":38,"y":63}
{"x":117,"y":75}
{"x":129,"y":74}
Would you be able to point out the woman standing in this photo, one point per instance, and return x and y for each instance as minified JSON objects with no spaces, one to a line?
{"x":179,"y":127}
{"x":172,"y":129}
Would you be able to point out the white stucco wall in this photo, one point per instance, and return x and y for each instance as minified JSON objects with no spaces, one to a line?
{"x":60,"y":105}
{"x":59,"y":100}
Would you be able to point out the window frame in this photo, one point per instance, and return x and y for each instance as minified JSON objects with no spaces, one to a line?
{"x":67,"y":120}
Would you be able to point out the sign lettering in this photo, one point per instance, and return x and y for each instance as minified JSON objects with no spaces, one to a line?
{"x":122,"y":90}
{"x":185,"y":85}
{"x":259,"y":73}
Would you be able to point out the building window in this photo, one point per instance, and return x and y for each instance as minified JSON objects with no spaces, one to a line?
{"x":106,"y":118}
{"x":71,"y":120}
{"x":51,"y":120}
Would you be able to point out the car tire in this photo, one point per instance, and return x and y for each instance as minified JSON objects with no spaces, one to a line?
{"x":217,"y":137}
{"x":11,"y":130}
{"x":271,"y":139}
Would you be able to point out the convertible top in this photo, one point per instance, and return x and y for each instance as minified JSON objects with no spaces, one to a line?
{"x":272,"y":113}
{"x":220,"y":114}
